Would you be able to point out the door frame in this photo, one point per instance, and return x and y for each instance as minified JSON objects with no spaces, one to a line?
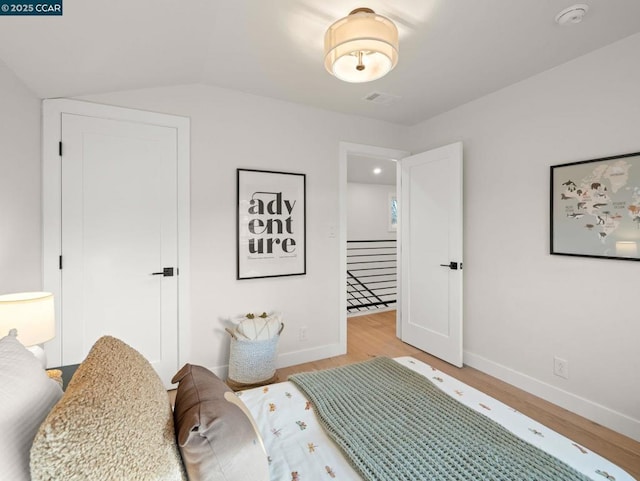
{"x":52,"y":110}
{"x":346,"y":149}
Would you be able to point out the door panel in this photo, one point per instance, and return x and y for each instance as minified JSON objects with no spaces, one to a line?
{"x":430,"y":239}
{"x":119,"y":225}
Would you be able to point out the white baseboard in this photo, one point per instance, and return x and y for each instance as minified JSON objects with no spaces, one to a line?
{"x":309,"y":355}
{"x":584,"y":407}
{"x":370,"y":312}
{"x":292,"y":358}
{"x":220,"y":371}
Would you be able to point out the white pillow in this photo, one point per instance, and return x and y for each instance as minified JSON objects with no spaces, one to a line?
{"x":26,"y":397}
{"x":259,"y":328}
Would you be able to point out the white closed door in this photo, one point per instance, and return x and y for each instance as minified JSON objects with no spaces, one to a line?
{"x":430,"y":193}
{"x":119,"y":238}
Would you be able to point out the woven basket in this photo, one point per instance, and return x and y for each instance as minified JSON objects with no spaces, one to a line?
{"x":252,"y":363}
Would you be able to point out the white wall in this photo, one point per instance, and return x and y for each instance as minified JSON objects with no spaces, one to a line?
{"x":522,"y":305}
{"x":368,"y":211}
{"x":20,"y":211}
{"x":231,"y":130}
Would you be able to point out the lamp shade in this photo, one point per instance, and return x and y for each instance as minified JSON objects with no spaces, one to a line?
{"x":361,"y":47}
{"x":627,"y":249}
{"x":31,"y":313}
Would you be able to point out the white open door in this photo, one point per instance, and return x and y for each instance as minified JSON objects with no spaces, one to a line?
{"x":430,"y":235}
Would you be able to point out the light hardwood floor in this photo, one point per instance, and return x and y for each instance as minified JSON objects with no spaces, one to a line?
{"x":374,"y":335}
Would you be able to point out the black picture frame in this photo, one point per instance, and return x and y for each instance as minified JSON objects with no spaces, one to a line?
{"x":595,"y":208}
{"x":271,"y":227}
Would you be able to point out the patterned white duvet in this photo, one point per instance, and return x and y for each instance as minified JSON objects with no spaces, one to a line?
{"x":299,"y":449}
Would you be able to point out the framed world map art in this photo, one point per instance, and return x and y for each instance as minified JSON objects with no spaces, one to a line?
{"x":595,"y":208}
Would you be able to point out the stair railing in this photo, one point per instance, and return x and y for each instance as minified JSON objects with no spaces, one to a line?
{"x":371,"y":274}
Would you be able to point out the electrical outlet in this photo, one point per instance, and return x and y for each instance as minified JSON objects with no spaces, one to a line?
{"x":302,"y":334}
{"x":561,"y":367}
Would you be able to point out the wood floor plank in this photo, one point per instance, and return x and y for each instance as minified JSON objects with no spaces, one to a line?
{"x":375,"y":335}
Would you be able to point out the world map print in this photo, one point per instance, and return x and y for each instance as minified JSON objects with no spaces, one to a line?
{"x":596,"y":207}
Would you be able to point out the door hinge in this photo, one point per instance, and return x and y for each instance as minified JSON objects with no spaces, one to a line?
{"x":60,"y":262}
{"x":60,"y":149}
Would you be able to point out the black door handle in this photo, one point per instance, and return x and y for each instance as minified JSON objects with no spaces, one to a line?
{"x":452,"y":265}
{"x":166,"y":272}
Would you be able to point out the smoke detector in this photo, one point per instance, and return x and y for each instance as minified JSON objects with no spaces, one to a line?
{"x":572,"y":15}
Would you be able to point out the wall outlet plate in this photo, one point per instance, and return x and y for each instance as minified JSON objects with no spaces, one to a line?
{"x":302,"y":334}
{"x":561,"y":367}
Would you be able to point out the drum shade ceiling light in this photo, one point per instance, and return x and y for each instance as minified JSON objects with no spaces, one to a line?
{"x":361,"y":47}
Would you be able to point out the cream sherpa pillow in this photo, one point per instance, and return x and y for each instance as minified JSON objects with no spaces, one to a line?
{"x":114,"y":422}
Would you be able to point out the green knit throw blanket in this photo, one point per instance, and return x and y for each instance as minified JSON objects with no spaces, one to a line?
{"x":394,"y":424}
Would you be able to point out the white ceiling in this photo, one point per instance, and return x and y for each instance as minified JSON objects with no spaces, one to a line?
{"x":360,"y":170}
{"x":451,"y":51}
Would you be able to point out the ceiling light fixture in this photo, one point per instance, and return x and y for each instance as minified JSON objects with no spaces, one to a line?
{"x":361,"y":47}
{"x":377,"y":171}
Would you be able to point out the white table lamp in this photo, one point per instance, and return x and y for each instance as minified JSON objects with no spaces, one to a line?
{"x":627,"y":249}
{"x":32,"y":314}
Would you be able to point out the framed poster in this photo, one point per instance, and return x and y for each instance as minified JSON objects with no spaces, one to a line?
{"x":271,"y":226}
{"x":595,"y":208}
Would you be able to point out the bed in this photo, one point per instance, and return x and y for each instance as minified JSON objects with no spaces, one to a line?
{"x":115,"y":421}
{"x":300,"y":449}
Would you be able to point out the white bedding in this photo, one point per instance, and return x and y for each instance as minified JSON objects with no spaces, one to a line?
{"x":299,"y":449}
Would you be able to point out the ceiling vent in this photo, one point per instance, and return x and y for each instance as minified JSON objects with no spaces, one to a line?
{"x":380,"y":98}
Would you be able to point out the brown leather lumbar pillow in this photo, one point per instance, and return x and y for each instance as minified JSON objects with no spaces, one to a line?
{"x":216,"y":437}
